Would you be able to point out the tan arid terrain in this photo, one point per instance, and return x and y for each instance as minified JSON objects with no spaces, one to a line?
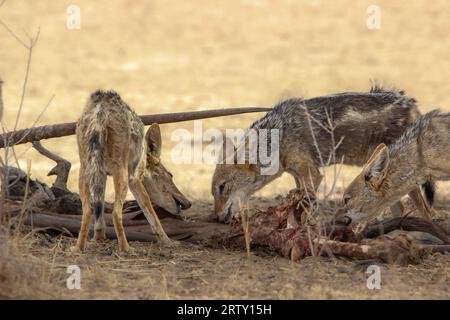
{"x":169,"y":56}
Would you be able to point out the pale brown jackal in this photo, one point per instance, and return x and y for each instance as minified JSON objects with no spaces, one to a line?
{"x":361,"y":122}
{"x":416,"y":158}
{"x":111,"y":142}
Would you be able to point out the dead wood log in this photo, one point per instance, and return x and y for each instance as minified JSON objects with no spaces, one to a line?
{"x":190,"y":231}
{"x":62,"y":168}
{"x":406,"y":223}
{"x":436,"y":248}
{"x":67,"y":129}
{"x":73,"y":226}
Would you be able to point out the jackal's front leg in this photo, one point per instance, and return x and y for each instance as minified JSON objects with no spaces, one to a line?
{"x":142,"y":197}
{"x":120,"y":177}
{"x":307,"y":179}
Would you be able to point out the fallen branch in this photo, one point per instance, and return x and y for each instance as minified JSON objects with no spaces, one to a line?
{"x":67,"y":129}
{"x":135,"y":229}
{"x":72,"y":225}
{"x":62,"y":168}
{"x":407,"y":224}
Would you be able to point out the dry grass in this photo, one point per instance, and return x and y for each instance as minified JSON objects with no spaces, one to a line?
{"x":23,"y":275}
{"x":196,"y":272}
{"x":169,"y":55}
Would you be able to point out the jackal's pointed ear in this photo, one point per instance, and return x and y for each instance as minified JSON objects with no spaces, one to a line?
{"x":377,"y":165}
{"x":227,"y":152}
{"x":153,"y":139}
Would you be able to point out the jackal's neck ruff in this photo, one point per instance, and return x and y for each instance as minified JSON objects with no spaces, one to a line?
{"x":411,"y":161}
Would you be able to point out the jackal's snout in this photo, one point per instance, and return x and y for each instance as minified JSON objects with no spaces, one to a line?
{"x":182,"y":202}
{"x":158,"y":181}
{"x":342,"y":219}
{"x":226,"y":215}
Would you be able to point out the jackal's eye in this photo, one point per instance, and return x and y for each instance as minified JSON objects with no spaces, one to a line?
{"x":222,"y":187}
{"x":346,"y":199}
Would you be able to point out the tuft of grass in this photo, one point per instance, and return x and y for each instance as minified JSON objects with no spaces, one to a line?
{"x":22,"y":275}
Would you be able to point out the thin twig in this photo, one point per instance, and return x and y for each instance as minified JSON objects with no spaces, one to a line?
{"x":4,"y":162}
{"x":13,"y":34}
{"x":25,"y":81}
{"x":24,"y":208}
{"x":37,"y":119}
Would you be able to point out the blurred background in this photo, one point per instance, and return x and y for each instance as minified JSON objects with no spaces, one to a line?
{"x":168,"y":56}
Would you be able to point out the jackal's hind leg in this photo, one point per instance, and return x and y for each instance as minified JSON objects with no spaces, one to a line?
{"x":143,"y":199}
{"x":120,"y":177}
{"x":85,"y":220}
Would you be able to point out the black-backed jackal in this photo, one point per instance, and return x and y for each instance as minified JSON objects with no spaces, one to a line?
{"x":361,"y":120}
{"x":111,"y":141}
{"x":418,"y":157}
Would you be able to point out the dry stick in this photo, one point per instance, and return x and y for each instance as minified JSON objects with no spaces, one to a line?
{"x":1,"y":99}
{"x":62,"y":168}
{"x":39,"y":117}
{"x":4,"y":162}
{"x":336,"y":174}
{"x":3,"y":181}
{"x":25,"y":81}
{"x":67,"y":129}
{"x":330,"y":128}
{"x":16,"y":157}
{"x":24,"y":208}
{"x":246,"y":230}
{"x":247,"y":241}
{"x":5,"y":130}
{"x":13,"y":34}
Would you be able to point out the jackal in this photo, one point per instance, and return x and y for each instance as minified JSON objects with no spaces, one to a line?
{"x":418,"y":157}
{"x":361,"y":120}
{"x":111,"y":142}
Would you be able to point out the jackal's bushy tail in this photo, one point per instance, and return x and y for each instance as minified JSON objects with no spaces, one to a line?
{"x":96,"y":151}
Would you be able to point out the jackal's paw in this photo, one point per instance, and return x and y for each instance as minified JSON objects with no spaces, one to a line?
{"x":127,"y":250}
{"x":169,"y":243}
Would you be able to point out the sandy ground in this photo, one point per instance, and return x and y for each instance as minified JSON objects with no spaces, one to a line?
{"x":168,"y":55}
{"x":196,"y":272}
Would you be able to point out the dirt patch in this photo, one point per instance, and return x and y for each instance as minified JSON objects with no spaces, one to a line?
{"x":198,"y":271}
